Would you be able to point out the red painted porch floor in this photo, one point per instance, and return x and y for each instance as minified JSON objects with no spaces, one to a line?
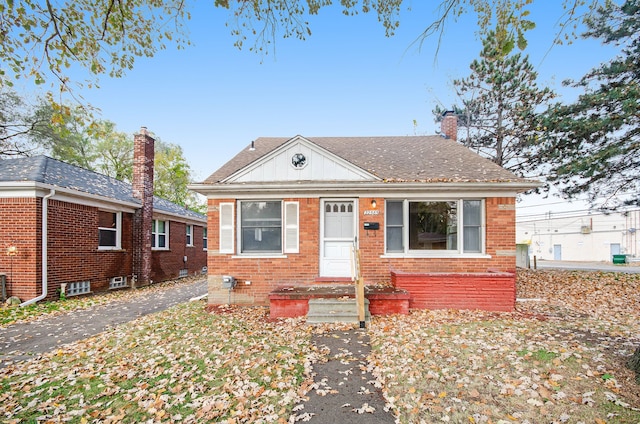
{"x":294,"y":301}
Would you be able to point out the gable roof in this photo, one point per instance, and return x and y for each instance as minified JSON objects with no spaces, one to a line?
{"x":45,"y":170}
{"x":391,"y":159}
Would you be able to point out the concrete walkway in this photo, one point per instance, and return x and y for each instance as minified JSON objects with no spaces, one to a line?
{"x":343,"y":389}
{"x":21,"y":341}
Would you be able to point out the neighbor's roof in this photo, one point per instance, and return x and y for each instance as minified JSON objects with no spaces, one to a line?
{"x":45,"y":170}
{"x":395,"y":158}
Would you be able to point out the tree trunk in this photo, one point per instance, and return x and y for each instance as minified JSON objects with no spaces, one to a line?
{"x":634,"y":363}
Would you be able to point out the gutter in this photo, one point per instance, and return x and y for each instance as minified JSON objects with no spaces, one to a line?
{"x":45,"y":217}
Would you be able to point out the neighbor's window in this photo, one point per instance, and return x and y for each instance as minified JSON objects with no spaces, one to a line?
{"x":109,"y":230}
{"x":160,"y":234}
{"x":261,"y":226}
{"x":189,"y":239}
{"x":423,"y":226}
{"x":204,"y":238}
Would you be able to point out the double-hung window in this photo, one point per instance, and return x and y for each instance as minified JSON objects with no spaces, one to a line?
{"x":189,"y":235}
{"x":424,"y":226}
{"x":160,"y":234}
{"x":264,"y":227}
{"x":261,"y":227}
{"x":109,"y":230}
{"x":205,"y":241}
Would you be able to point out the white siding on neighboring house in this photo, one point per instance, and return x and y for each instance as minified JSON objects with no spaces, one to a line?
{"x":580,"y":236}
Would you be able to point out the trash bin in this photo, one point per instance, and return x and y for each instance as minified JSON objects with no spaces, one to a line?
{"x":619,"y":259}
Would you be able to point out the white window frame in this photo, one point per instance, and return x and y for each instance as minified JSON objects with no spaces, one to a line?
{"x":205,"y":239}
{"x":118,"y":231}
{"x":155,"y":235}
{"x":239,"y":229}
{"x":459,"y":252}
{"x":189,"y":235}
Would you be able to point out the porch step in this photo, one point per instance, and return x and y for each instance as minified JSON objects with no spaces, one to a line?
{"x":335,"y":310}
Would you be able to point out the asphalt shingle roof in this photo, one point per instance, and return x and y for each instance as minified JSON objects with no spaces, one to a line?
{"x":394,"y":158}
{"x":45,"y":170}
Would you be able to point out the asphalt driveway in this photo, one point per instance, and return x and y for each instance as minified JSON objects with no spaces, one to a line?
{"x":22,"y":341}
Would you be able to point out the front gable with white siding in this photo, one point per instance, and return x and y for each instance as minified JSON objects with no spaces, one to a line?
{"x":299,"y":160}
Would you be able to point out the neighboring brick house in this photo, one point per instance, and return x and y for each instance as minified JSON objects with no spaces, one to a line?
{"x":98,"y":234}
{"x":427,"y":215}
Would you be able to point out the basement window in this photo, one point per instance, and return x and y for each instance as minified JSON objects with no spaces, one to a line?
{"x":117,"y":282}
{"x":78,"y":287}
{"x":183,"y":273}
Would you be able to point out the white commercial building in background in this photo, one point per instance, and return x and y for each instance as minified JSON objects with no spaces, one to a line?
{"x":580,"y":235}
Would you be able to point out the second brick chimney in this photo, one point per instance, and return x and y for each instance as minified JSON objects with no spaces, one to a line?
{"x":143,"y":156}
{"x":449,"y":125}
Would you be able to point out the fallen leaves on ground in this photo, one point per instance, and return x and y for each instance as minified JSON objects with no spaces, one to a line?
{"x":181,"y":365}
{"x":555,"y":360}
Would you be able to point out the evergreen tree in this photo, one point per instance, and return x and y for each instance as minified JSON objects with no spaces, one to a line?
{"x":500,"y":101}
{"x":593,"y":145}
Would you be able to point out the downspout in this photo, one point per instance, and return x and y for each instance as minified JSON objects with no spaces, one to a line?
{"x":45,"y":218}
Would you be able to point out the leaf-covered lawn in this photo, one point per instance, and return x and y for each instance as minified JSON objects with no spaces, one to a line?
{"x":555,"y":360}
{"x":181,"y":365}
{"x":559,"y":360}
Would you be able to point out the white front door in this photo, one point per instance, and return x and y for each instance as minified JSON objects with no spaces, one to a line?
{"x":337,"y":237}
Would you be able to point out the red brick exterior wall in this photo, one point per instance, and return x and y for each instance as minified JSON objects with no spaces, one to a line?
{"x":73,"y":253}
{"x":20,"y":227}
{"x":166,"y":264}
{"x":267,"y":274}
{"x":486,"y":291}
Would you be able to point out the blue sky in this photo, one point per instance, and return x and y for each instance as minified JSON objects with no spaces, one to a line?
{"x":347,"y":79}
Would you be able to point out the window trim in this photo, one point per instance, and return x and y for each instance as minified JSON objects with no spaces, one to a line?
{"x":230,"y":228}
{"x":118,"y":231}
{"x":458,"y":253}
{"x":239,"y":230}
{"x":205,"y":239}
{"x":154,"y":235}
{"x":189,"y":235}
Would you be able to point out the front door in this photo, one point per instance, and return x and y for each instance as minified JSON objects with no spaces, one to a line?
{"x":337,"y":237}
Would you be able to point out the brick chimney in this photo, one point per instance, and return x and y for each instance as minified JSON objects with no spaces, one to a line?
{"x":449,"y":125}
{"x":143,"y":155}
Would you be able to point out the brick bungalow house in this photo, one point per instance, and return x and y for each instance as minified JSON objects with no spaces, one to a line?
{"x":429,"y":217}
{"x":66,"y":228}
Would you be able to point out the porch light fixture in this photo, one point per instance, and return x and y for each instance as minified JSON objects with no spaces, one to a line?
{"x":12,"y":250}
{"x":374,"y":204}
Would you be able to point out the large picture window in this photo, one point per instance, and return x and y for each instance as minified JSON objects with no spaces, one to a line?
{"x":109,"y":230}
{"x":426,"y":226}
